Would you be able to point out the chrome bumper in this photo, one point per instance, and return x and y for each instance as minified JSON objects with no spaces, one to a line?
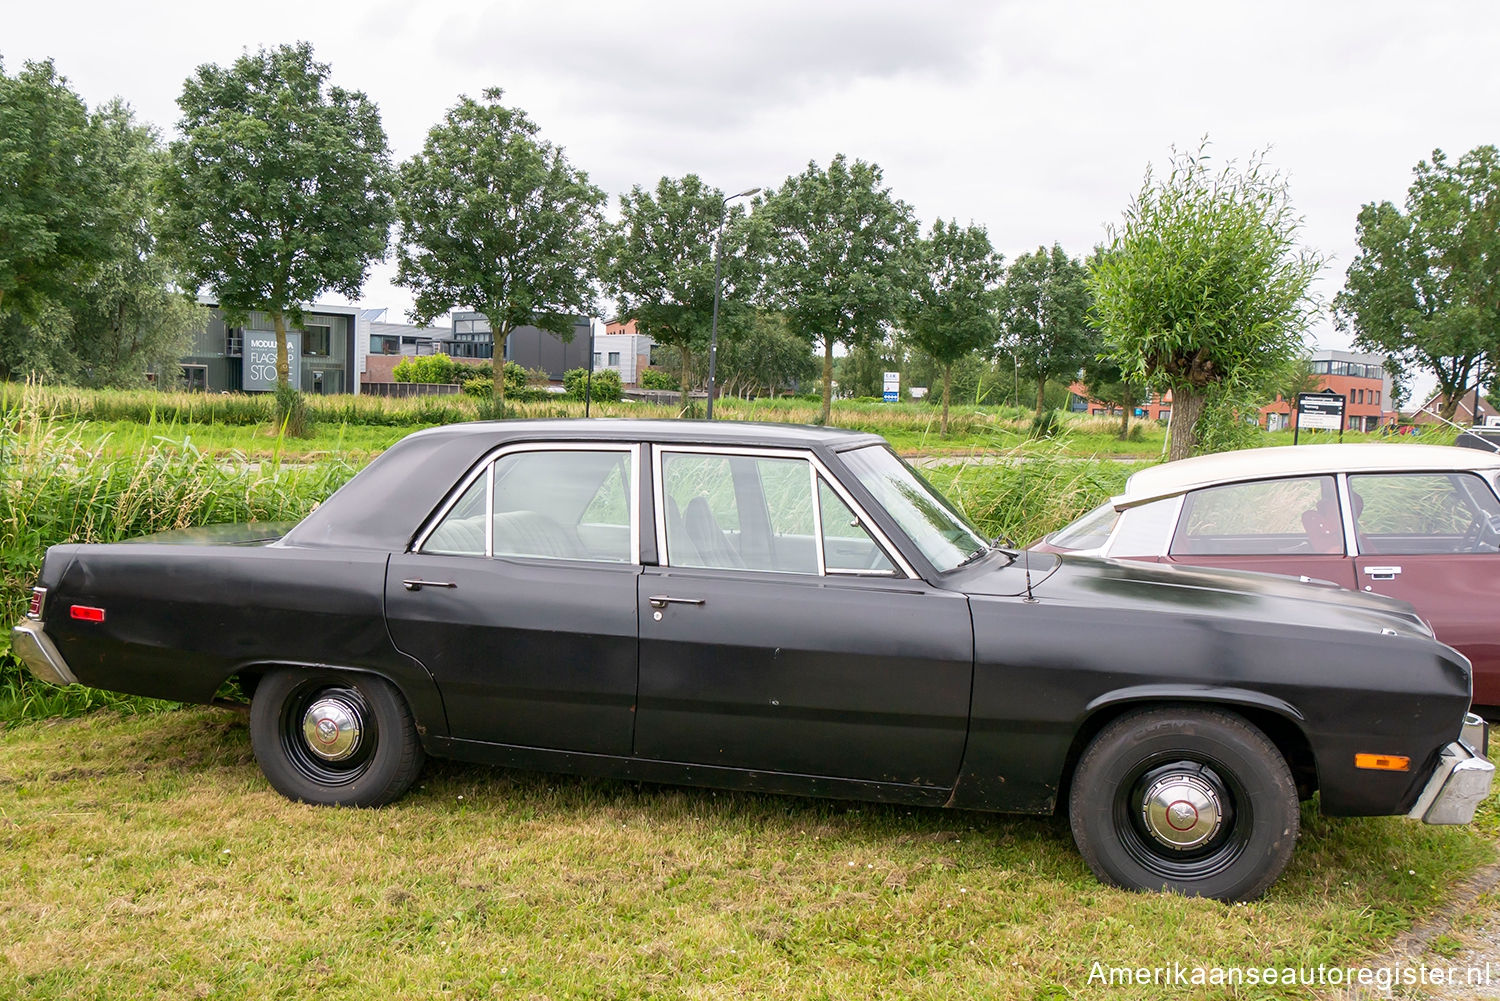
{"x":36,"y":651}
{"x":1460,"y":783}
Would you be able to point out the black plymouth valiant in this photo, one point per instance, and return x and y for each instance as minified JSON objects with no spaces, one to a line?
{"x":773,"y":608}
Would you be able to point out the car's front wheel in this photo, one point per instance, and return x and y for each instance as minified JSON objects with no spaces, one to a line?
{"x":334,"y":739}
{"x":1194,"y":801}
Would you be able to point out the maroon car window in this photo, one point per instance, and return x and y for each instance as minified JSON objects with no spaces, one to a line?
{"x":1266,"y":517}
{"x":1416,"y":513}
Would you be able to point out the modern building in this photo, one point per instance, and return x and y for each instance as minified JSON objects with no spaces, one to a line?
{"x":326,"y":352}
{"x":392,"y":342}
{"x":1360,"y":378}
{"x":621,"y":348}
{"x":527,"y":346}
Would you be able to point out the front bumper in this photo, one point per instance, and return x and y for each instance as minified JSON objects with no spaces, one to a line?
{"x":36,"y":650}
{"x":1460,"y":783}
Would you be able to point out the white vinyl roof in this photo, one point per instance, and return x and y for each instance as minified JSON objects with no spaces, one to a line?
{"x":1172,"y":478}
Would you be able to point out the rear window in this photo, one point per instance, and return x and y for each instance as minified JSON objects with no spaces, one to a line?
{"x":1089,"y":532}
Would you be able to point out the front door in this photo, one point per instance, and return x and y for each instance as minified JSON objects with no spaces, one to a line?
{"x":520,"y":600}
{"x":779,"y":636}
{"x":1431,"y":539}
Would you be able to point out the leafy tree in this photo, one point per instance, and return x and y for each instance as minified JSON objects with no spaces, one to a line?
{"x":1044,"y":317}
{"x":49,"y":191}
{"x":764,"y":355}
{"x":1204,"y":290}
{"x":955,"y":283}
{"x":84,"y":296}
{"x":836,"y":247}
{"x":279,"y":189}
{"x":1425,"y":288}
{"x":1105,"y":381}
{"x":497,"y":219}
{"x":659,"y":266}
{"x":131,"y":317}
{"x":861,"y":372}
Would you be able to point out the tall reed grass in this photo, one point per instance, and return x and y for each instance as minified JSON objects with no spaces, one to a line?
{"x":54,"y":489}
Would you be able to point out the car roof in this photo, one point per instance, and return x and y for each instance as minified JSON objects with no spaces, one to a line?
{"x":1172,"y":478}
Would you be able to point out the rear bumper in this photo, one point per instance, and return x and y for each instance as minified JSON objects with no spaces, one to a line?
{"x":1460,"y":783}
{"x":36,"y":650}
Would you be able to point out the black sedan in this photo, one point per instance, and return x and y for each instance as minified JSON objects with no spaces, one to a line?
{"x":773,"y":608}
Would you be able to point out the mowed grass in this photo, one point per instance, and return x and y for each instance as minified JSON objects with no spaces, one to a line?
{"x":145,"y":857}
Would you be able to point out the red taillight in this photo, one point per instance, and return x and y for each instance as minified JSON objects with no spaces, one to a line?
{"x":34,"y":610}
{"x":88,"y":613}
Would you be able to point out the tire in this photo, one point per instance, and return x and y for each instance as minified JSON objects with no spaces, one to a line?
{"x":334,"y":739}
{"x":1193,"y":801}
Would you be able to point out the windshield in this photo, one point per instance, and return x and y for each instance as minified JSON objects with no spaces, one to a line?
{"x":940,"y":532}
{"x":1089,"y":532}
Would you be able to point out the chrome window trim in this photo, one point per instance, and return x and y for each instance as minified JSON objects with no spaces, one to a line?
{"x":817,"y":513}
{"x":658,"y":463}
{"x":485,"y":467}
{"x":1346,"y":511}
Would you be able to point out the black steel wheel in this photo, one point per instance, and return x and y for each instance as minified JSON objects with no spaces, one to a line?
{"x":1194,"y":801}
{"x":334,"y":739}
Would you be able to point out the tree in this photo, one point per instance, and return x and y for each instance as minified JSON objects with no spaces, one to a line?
{"x":497,"y":219}
{"x":1105,"y":382}
{"x":1203,"y":289}
{"x":51,"y":231}
{"x":764,"y":355}
{"x":279,"y":189}
{"x":131,"y":317}
{"x":955,"y":282}
{"x":836,"y":246}
{"x":1425,"y":287}
{"x":659,"y":266}
{"x":1044,"y":317}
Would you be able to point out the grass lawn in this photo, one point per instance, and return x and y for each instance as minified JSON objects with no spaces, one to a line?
{"x":145,"y":857}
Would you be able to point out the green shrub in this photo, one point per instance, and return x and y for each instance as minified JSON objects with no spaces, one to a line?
{"x":606,"y":384}
{"x":479,"y":389}
{"x":655,"y":378}
{"x":438,"y":368}
{"x":292,"y":414}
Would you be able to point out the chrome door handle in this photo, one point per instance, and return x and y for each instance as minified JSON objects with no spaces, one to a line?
{"x":1382,"y":573}
{"x":662,"y":601}
{"x":417,"y":585}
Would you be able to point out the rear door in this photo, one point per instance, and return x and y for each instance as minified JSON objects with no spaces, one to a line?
{"x":520,"y":599}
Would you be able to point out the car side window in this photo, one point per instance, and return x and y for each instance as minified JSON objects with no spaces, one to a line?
{"x":1416,"y":513}
{"x":1266,"y":517}
{"x":848,"y":547}
{"x":572,"y":504}
{"x":739,"y":512}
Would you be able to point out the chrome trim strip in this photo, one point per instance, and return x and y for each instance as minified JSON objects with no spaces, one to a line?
{"x":36,"y":650}
{"x":1346,"y":511}
{"x":817,"y":513}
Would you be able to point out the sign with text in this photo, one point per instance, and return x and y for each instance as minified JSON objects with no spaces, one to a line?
{"x":892,"y":387}
{"x":259,"y":370}
{"x":1322,"y":411}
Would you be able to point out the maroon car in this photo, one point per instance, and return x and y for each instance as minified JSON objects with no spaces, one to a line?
{"x":1416,"y":522}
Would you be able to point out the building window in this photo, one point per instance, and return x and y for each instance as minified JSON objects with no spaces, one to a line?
{"x":614,"y":357}
{"x":315,"y":340}
{"x":598,"y":358}
{"x":234,"y":342}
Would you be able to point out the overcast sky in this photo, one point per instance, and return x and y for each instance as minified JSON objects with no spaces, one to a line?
{"x":1035,"y":119}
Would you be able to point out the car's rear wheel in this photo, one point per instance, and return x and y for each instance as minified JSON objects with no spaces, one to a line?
{"x":1194,"y":801}
{"x":334,"y":739}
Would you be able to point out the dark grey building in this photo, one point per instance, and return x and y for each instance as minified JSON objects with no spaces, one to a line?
{"x":324,"y":352}
{"x":527,"y":346}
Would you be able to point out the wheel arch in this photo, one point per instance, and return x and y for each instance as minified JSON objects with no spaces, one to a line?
{"x":1279,"y":720}
{"x":246,"y":677}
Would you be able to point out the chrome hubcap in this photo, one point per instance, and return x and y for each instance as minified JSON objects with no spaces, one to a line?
{"x":332,"y":728}
{"x":1182,"y":810}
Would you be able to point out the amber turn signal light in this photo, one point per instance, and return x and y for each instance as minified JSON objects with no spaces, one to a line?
{"x":1383,"y":762}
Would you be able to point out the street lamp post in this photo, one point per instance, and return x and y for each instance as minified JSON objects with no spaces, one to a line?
{"x":713,"y":336}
